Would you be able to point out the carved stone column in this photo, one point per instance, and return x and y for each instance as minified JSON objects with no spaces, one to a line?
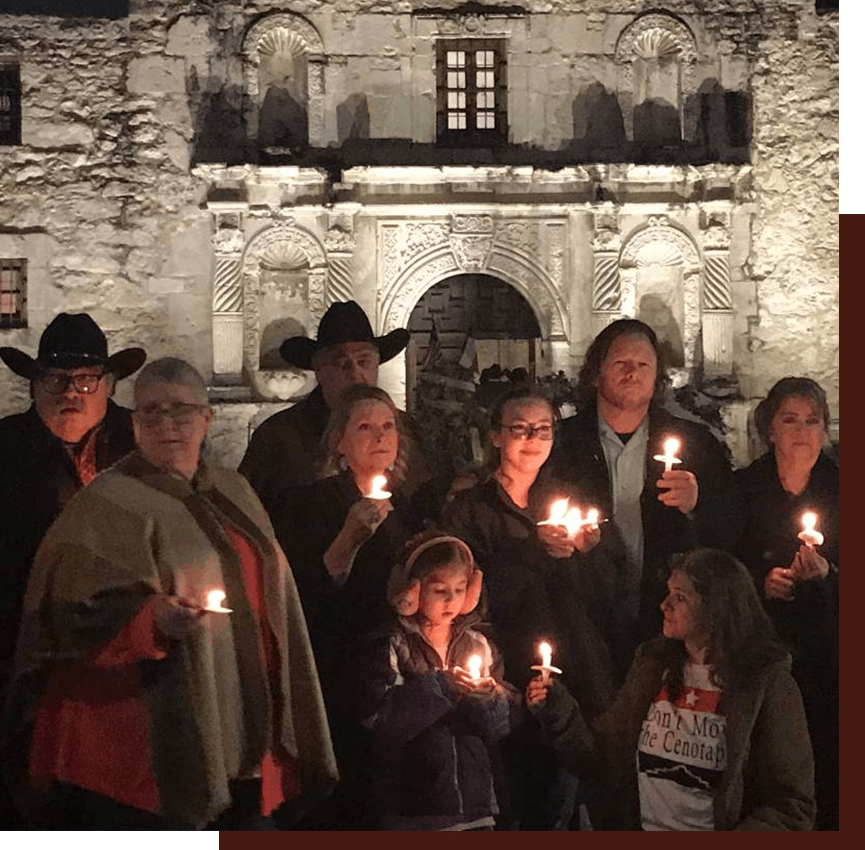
{"x":228,"y":243}
{"x":606,"y":287}
{"x":717,"y":299}
{"x":340,"y":247}
{"x":315,"y":110}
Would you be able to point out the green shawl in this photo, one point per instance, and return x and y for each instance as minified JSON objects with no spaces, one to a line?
{"x":137,"y":531}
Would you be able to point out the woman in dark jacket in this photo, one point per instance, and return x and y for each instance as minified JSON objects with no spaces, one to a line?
{"x":799,"y":582}
{"x":708,"y":731}
{"x":342,"y":543}
{"x":541,"y":582}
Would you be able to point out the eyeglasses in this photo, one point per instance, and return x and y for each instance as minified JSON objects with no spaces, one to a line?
{"x":57,"y":382}
{"x":544,"y":431}
{"x":179,"y":413}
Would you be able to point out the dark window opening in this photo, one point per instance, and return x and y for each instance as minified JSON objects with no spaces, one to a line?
{"x":13,"y":293}
{"x":10,"y":105}
{"x":471,"y":90}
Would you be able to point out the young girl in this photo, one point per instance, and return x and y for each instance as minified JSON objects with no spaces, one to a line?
{"x":436,"y":722}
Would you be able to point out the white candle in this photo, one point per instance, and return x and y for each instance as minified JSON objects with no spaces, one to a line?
{"x":379,"y":482}
{"x":809,"y":534}
{"x":215,"y":598}
{"x":474,"y":666}
{"x":546,"y":667}
{"x":671,"y":446}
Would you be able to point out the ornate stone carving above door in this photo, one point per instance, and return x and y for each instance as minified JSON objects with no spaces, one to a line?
{"x":527,"y":253}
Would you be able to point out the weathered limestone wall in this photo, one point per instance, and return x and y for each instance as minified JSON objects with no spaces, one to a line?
{"x":101,"y":179}
{"x":794,"y":314}
{"x":102,"y":199}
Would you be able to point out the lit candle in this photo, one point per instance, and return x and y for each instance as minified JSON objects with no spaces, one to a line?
{"x":474,"y":665}
{"x":546,"y":666}
{"x":671,"y":446}
{"x":379,"y":482}
{"x":558,"y":513}
{"x":572,"y":520}
{"x":214,"y":602}
{"x":809,"y":534}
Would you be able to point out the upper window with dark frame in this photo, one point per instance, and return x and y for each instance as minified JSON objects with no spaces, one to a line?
{"x":13,"y":293}
{"x":10,"y":104}
{"x":471,"y":88}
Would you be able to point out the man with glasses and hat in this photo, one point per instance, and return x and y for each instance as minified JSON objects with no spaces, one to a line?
{"x":285,"y":449}
{"x":71,"y":432}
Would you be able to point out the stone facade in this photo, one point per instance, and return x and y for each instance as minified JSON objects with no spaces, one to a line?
{"x":206,"y":178}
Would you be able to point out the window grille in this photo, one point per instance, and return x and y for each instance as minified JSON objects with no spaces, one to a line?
{"x":472,"y":91}
{"x":10,"y":104}
{"x":13,"y":293}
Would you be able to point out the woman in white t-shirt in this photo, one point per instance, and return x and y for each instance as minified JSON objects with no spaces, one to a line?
{"x":708,"y":731}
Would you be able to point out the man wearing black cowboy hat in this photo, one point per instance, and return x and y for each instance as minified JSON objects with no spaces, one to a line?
{"x":71,"y":432}
{"x":286,"y":448}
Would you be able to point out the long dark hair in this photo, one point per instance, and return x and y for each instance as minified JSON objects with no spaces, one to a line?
{"x":741,"y":637}
{"x":597,"y":351}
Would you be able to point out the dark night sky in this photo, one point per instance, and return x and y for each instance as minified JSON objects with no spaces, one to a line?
{"x":67,"y":8}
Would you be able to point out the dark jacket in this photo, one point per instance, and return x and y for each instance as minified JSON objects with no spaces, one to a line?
{"x":342,"y":620}
{"x":433,"y":765}
{"x":578,"y":457}
{"x":531,"y":595}
{"x":286,"y":452}
{"x":38,"y":479}
{"x":769,"y":779}
{"x":808,"y":624}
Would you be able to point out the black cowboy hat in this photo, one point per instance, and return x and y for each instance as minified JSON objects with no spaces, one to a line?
{"x":344,"y":321}
{"x":70,"y":341}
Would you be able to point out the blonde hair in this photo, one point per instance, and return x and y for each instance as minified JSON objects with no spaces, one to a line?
{"x":339,"y":417}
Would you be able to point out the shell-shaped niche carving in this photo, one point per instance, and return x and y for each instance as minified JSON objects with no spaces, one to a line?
{"x":282,"y":41}
{"x":659,"y":254}
{"x":656,"y":44}
{"x":284,"y":256}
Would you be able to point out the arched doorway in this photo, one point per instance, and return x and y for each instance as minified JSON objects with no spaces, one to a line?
{"x":465,"y":330}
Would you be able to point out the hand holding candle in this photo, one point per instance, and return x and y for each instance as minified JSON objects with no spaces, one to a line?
{"x":580,"y":532}
{"x":470,"y":681}
{"x":546,"y":652}
{"x":679,"y":488}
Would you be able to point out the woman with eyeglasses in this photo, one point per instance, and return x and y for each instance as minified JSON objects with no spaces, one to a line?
{"x":164,"y":665}
{"x":542,"y":582}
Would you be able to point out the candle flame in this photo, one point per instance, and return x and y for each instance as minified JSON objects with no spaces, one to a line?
{"x":474,"y":666}
{"x":379,"y":482}
{"x":546,"y":652}
{"x":558,"y":510}
{"x":593,"y":516}
{"x":671,"y":446}
{"x":809,"y":521}
{"x":215,"y":599}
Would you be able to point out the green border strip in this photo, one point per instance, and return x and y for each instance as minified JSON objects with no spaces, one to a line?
{"x":852,"y":129}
